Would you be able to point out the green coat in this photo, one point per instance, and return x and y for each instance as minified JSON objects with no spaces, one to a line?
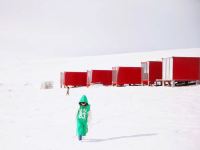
{"x":82,"y":117}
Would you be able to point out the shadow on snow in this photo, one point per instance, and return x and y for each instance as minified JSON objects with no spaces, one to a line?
{"x":119,"y":137}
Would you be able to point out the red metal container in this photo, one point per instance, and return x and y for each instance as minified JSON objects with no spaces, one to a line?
{"x":151,"y":71}
{"x":75,"y":79}
{"x":181,"y":69}
{"x":99,"y":77}
{"x":126,"y":75}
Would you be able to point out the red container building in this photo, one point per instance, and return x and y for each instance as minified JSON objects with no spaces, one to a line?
{"x":99,"y":77}
{"x":126,"y":75}
{"x":151,"y":71}
{"x":74,"y":79}
{"x":181,"y":69}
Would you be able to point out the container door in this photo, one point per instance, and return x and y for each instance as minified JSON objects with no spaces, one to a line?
{"x":144,"y":71}
{"x":171,"y":68}
{"x":147,"y":70}
{"x":164,"y":68}
{"x":167,"y":69}
{"x":114,"y":75}
{"x":61,"y":79}
{"x":89,"y":77}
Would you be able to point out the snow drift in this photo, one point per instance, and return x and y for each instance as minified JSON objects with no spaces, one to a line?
{"x":134,"y":117}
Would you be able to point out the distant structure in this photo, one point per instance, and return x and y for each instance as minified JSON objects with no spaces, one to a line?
{"x":151,"y":71}
{"x":126,"y":76}
{"x":171,"y":71}
{"x":47,"y":85}
{"x":103,"y":77}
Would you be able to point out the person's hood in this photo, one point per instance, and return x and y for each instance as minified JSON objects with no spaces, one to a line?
{"x":83,"y":99}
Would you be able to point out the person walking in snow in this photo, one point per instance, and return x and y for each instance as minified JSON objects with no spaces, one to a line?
{"x":82,"y":117}
{"x":67,"y":93}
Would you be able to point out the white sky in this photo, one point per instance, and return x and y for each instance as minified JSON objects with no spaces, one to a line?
{"x":91,"y":27}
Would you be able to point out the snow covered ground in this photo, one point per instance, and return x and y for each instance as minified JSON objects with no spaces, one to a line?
{"x":136,"y":117}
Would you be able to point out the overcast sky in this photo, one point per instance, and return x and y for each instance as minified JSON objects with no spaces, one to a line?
{"x":92,"y":27}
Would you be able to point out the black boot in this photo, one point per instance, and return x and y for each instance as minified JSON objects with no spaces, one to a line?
{"x":79,"y":137}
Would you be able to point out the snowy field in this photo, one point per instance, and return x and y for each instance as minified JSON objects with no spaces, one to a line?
{"x":136,"y":117}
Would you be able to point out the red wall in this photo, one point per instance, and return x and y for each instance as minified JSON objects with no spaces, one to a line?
{"x":129,"y":75}
{"x":155,"y":71}
{"x":102,"y":76}
{"x":75,"y":78}
{"x":199,"y":68}
{"x":186,"y":68}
